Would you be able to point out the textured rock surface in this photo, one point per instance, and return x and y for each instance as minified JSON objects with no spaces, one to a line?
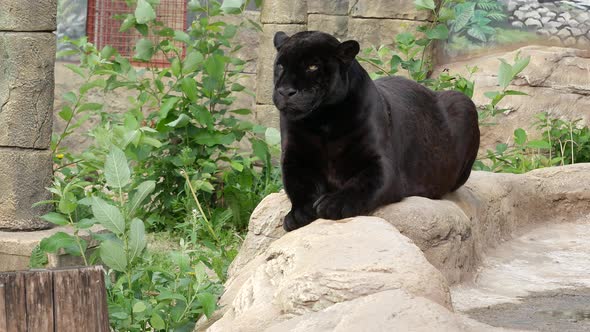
{"x":26,"y":89}
{"x":556,"y":80}
{"x":322,"y":276}
{"x":21,"y":15}
{"x":24,"y":174}
{"x":332,"y":24}
{"x":324,"y":263}
{"x":392,"y":310}
{"x":400,"y":9}
{"x":332,"y":7}
{"x":284,"y":12}
{"x":369,"y":31}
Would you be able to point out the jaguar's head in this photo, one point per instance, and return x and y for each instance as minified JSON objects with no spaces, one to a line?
{"x":310,"y":71}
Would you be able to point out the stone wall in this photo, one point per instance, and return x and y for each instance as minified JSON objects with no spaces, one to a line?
{"x":27,"y":55}
{"x":370,"y":22}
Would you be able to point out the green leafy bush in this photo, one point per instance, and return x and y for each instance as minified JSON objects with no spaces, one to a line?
{"x":181,"y":159}
{"x":562,"y":143}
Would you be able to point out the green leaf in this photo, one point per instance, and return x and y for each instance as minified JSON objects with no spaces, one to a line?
{"x":520,"y":65}
{"x":242,"y":111}
{"x":189,"y":87}
{"x":58,"y":241}
{"x":76,"y":69}
{"x":520,"y":136}
{"x":272,"y":136}
{"x":70,"y":97}
{"x":167,"y":106}
{"x":208,"y":302}
{"x":139,"y":306}
{"x":192,"y":62}
{"x":515,"y":93}
{"x":440,"y":32}
{"x":504,"y":75}
{"x":108,"y":216}
{"x":137,"y":241}
{"x":157,"y":322}
{"x":56,"y":218}
{"x":128,"y":23}
{"x":237,"y":165}
{"x":214,"y":138}
{"x":180,"y":122}
{"x":116,"y":169}
{"x":539,"y":144}
{"x":425,"y":4}
{"x":144,"y":12}
{"x":99,"y":83}
{"x":113,"y":255}
{"x":67,"y":203}
{"x":141,"y":193}
{"x":232,"y":6}
{"x":144,"y":49}
{"x":85,"y":223}
{"x":66,"y":113}
{"x":89,"y":107}
{"x":260,"y":150}
{"x":182,"y":36}
{"x":501,"y":148}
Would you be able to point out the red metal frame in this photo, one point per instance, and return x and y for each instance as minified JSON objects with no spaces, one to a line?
{"x":102,"y":26}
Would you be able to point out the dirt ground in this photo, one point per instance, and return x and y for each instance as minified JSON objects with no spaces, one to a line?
{"x":559,"y":310}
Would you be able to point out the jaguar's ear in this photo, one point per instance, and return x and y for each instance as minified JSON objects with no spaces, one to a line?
{"x":348,"y":50}
{"x":279,"y":39}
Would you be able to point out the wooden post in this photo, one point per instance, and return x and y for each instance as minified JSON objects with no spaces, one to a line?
{"x":63,"y":300}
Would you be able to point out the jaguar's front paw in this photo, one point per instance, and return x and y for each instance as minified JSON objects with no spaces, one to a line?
{"x":297,"y":218}
{"x":338,"y":206}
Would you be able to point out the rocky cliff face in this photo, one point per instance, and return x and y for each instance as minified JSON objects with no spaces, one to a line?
{"x":391,"y":270}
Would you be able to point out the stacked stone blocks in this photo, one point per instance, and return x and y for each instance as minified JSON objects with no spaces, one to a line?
{"x":27,"y":55}
{"x":371,"y":22}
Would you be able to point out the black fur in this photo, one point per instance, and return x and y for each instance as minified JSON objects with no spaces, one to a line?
{"x":351,"y":144}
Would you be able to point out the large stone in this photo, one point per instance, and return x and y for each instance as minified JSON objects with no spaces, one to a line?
{"x":322,"y":264}
{"x":556,"y":81}
{"x":399,"y":9}
{"x":24,"y":15}
{"x":272,"y":281}
{"x":332,"y":24}
{"x":370,"y":31}
{"x":454,"y":232}
{"x":26,"y":89}
{"x":330,"y":7}
{"x":284,"y":12}
{"x":266,"y":57}
{"x":265,"y":226}
{"x":23,"y":176}
{"x":391,"y":310}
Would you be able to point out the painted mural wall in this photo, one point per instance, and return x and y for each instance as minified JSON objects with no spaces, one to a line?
{"x":479,"y":25}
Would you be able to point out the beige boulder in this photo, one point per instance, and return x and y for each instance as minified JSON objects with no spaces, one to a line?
{"x":454,"y":232}
{"x":556,"y":81}
{"x":322,"y":264}
{"x":391,"y":310}
{"x":329,"y":272}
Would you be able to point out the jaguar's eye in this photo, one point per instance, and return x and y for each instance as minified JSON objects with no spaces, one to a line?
{"x":312,"y":68}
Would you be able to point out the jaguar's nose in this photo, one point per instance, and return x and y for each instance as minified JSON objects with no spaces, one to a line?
{"x":286,"y":92}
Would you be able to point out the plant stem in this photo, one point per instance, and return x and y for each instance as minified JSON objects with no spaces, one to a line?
{"x":185,"y":175}
{"x":78,"y":242}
